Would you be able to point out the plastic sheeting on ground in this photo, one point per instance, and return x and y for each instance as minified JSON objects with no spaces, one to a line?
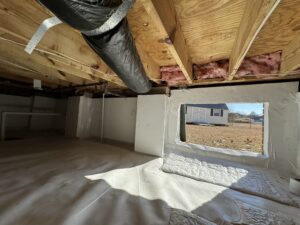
{"x":54,"y":180}
{"x":247,"y":179}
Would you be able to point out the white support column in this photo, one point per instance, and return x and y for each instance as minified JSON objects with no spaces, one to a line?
{"x":266,"y":130}
{"x":78,"y":119}
{"x":150,"y":124}
{"x":296,"y":168}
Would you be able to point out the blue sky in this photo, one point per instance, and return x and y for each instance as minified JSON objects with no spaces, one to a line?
{"x":246,"y":108}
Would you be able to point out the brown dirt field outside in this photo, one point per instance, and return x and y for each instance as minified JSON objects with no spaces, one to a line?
{"x":236,"y":136}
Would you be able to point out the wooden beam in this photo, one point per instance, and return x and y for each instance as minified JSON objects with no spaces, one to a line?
{"x":13,"y":71}
{"x":11,"y":68}
{"x":248,"y":79}
{"x":26,"y":79}
{"x":138,"y":26}
{"x":255,"y":15}
{"x":62,"y":45}
{"x":163,"y":16}
{"x":60,"y":62}
{"x":291,"y":56}
{"x":35,"y":62}
{"x":152,"y":69}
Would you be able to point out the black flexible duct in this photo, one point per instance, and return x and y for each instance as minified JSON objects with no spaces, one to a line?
{"x":116,"y":47}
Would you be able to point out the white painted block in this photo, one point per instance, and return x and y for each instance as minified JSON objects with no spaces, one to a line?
{"x":150,"y":124}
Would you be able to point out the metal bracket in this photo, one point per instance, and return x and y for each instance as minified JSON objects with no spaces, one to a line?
{"x":40,"y":32}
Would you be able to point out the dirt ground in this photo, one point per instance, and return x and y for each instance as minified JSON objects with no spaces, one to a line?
{"x":237,"y":136}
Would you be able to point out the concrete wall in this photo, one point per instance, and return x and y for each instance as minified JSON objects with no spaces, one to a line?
{"x":283,"y":115}
{"x":40,"y":104}
{"x":119,"y":118}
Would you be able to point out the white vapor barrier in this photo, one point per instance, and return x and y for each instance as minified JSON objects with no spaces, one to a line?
{"x":247,"y":179}
{"x":283,"y":114}
{"x":296,"y":164}
{"x":11,"y":103}
{"x":63,"y":181}
{"x":72,"y":116}
{"x":120,"y":119}
{"x":85,"y":118}
{"x":150,"y":124}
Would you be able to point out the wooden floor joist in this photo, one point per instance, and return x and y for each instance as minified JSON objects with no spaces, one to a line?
{"x":59,"y":63}
{"x":291,"y":56}
{"x":256,"y":14}
{"x":164,"y":17}
{"x":62,"y":45}
{"x":165,"y":32}
{"x":29,"y":79}
{"x":37,"y":63}
{"x":152,"y":69}
{"x":21,"y":71}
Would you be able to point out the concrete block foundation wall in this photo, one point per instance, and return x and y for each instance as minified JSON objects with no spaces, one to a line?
{"x":13,"y":103}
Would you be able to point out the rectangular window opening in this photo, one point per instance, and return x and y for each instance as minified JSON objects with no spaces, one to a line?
{"x":234,"y":126}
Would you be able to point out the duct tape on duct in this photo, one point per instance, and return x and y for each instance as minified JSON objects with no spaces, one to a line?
{"x":116,"y":17}
{"x":116,"y":45}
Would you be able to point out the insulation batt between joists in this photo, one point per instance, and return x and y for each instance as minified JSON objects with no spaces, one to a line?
{"x":261,"y":66}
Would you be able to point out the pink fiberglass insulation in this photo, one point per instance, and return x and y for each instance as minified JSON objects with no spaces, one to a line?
{"x":172,"y":75}
{"x":211,"y":70}
{"x":261,"y":66}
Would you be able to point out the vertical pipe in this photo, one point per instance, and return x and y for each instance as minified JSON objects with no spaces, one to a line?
{"x":102,"y":116}
{"x":182,"y":132}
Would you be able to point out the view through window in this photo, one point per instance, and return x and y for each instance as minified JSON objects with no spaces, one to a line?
{"x":237,"y":126}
